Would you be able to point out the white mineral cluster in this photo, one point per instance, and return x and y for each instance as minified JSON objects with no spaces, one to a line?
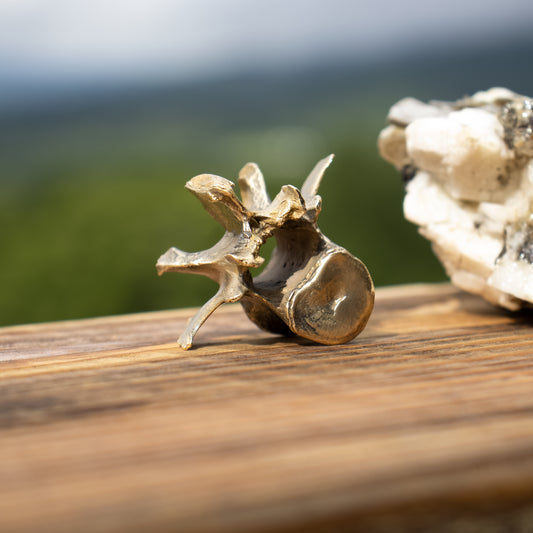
{"x":468,"y":169}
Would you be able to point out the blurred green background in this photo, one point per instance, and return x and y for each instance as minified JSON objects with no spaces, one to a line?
{"x":92,"y":186}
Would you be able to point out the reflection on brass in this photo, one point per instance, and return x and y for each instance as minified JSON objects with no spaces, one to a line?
{"x":311,"y":287}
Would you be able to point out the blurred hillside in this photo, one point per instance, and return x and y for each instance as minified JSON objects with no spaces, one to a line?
{"x":92,"y":183}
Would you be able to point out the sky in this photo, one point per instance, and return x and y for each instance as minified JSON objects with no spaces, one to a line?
{"x":57,"y":41}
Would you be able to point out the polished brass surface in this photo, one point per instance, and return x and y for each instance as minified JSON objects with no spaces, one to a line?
{"x":311,"y":286}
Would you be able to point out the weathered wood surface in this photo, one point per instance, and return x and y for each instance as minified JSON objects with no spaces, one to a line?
{"x":424,"y":422}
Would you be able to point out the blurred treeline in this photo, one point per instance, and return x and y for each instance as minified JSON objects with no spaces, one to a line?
{"x":92,"y":186}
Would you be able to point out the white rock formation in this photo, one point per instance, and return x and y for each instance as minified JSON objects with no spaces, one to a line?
{"x":468,"y":168}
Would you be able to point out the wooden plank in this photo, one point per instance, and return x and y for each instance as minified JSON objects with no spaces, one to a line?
{"x":424,"y":422}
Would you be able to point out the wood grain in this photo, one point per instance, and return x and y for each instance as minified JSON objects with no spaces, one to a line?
{"x":422,"y":423}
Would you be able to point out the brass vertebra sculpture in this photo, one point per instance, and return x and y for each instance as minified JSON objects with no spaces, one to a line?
{"x":311,"y":287}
